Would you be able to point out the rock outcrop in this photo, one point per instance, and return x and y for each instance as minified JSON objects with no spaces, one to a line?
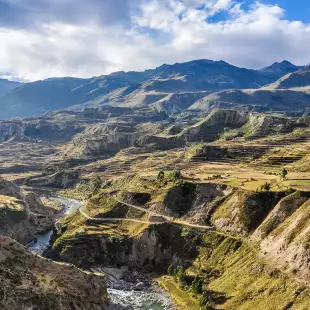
{"x":283,"y":237}
{"x":22,"y":214}
{"x":29,"y":281}
{"x":37,"y":129}
{"x":153,"y":248}
{"x":210,"y":128}
{"x":103,"y":139}
{"x":59,"y":179}
{"x":242,"y":212}
{"x":12,"y":131}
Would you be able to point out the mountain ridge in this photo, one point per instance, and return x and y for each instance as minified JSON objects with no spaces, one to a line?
{"x":163,"y":87}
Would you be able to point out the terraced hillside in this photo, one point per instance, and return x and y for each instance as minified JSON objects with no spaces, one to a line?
{"x":212,"y":206}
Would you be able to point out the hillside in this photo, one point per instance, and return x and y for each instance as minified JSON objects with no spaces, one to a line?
{"x":201,"y":191}
{"x":33,"y":99}
{"x":22,"y":214}
{"x":289,"y":93}
{"x":29,"y":281}
{"x":261,"y":100}
{"x":296,"y":79}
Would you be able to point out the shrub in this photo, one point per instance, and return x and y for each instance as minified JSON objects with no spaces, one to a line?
{"x":265,"y":187}
{"x":161,"y":176}
{"x":180,"y":274}
{"x":197,"y":286}
{"x":206,"y":302}
{"x":170,"y":270}
{"x":176,"y":175}
{"x":96,"y":184}
{"x":284,"y":173}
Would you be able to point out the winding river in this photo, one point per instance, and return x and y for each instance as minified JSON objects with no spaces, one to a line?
{"x":122,"y":299}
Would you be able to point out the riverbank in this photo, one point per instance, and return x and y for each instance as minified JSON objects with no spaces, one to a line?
{"x":134,"y":290}
{"x":127,"y":290}
{"x":43,"y":241}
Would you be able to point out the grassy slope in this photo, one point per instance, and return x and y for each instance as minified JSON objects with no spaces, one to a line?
{"x":240,"y":277}
{"x":180,"y":297}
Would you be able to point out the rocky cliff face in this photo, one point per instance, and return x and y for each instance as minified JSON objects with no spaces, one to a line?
{"x":154,"y":247}
{"x":29,"y":281}
{"x":283,"y":237}
{"x":103,"y":139}
{"x":12,"y":131}
{"x":37,"y":129}
{"x":243,"y":211}
{"x":138,"y":245}
{"x":210,"y":128}
{"x":262,"y":125}
{"x":22,"y":214}
{"x":59,"y":179}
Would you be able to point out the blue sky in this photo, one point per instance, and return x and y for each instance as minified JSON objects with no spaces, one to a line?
{"x":295,"y":9}
{"x":44,"y":38}
{"x":298,"y":10}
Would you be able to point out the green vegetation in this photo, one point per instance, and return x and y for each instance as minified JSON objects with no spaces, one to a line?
{"x":180,"y":297}
{"x":265,"y":187}
{"x":11,"y":210}
{"x":170,"y":270}
{"x":228,"y":274}
{"x":197,"y":286}
{"x":176,"y":175}
{"x":284,"y":173}
{"x":161,"y":176}
{"x":180,"y":274}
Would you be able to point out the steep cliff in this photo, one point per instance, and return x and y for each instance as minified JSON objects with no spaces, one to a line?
{"x":22,"y":214}
{"x":29,"y":281}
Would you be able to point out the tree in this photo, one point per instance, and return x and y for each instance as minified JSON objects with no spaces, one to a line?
{"x":197,"y":286}
{"x":161,"y":175}
{"x":266,"y":187}
{"x":180,"y":274}
{"x":171,"y":270}
{"x":176,"y":175}
{"x":96,"y":184}
{"x":284,"y":173}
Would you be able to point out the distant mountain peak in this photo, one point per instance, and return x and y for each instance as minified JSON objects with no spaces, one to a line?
{"x":285,"y":64}
{"x":279,"y":69}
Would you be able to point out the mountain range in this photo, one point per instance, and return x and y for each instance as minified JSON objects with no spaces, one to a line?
{"x":199,"y":84}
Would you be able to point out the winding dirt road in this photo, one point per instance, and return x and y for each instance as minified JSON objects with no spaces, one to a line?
{"x":118,"y":219}
{"x":166,"y":219}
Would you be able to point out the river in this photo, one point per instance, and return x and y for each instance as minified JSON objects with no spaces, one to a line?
{"x":125,"y":296}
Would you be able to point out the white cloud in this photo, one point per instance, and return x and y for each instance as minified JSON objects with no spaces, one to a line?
{"x":156,"y":32}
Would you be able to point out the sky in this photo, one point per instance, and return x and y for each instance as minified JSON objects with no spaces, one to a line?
{"x":44,"y":38}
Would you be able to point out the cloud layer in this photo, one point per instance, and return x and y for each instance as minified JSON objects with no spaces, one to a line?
{"x":42,"y":38}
